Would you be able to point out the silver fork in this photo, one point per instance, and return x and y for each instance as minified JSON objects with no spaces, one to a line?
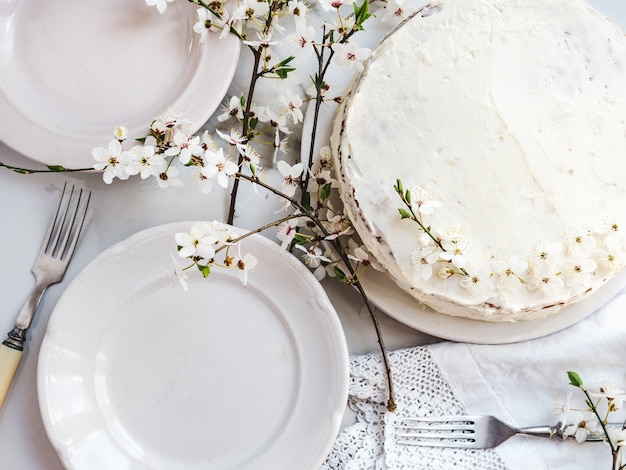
{"x":49,"y":268}
{"x":470,"y":432}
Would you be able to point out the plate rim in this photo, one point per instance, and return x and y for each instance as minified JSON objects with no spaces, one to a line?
{"x":317,"y":298}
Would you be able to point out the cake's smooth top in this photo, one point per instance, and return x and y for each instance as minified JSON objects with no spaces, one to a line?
{"x":507,"y":120}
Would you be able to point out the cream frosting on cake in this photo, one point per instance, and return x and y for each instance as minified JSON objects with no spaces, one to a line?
{"x":506,"y":120}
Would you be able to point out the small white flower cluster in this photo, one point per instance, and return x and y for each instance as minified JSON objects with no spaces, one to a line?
{"x":170,"y":138}
{"x":549,"y":268}
{"x":169,"y":141}
{"x":601,"y":403}
{"x":315,"y":242}
{"x":170,"y":145}
{"x":202,"y":244}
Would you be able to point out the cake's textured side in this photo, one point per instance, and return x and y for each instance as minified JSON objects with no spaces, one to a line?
{"x":507,"y":120}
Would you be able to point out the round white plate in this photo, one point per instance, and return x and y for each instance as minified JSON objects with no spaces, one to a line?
{"x":72,"y":70}
{"x":136,"y":373}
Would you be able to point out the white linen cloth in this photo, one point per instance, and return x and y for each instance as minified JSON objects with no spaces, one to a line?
{"x":521,"y":383}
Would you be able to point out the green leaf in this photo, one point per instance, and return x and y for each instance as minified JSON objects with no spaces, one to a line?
{"x":404,"y":214}
{"x":361,"y":14}
{"x":574,"y":379}
{"x":282,"y":72}
{"x":284,"y":62}
{"x":205,"y":270}
{"x":325,"y":193}
{"x":56,"y":168}
{"x":242,"y":101}
{"x":253,"y":122}
{"x":398,"y":187}
{"x":306,"y":201}
{"x":407,"y":196}
{"x":300,"y":239}
{"x":340,"y":274}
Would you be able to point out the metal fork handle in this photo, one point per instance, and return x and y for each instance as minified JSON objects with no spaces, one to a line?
{"x":25,"y":317}
{"x":557,"y":431}
{"x":543,"y":431}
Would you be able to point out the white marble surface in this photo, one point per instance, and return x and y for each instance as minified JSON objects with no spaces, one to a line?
{"x":117,"y":211}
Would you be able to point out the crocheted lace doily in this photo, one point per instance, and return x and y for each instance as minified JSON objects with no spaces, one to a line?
{"x":420,"y":390}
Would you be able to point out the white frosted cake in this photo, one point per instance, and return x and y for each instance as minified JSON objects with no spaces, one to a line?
{"x":506,"y":120}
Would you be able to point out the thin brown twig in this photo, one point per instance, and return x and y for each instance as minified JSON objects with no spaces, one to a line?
{"x":259,"y":230}
{"x":244,"y":130}
{"x":391,"y":404}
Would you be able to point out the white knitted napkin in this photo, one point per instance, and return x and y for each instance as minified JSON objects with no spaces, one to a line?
{"x":521,"y":383}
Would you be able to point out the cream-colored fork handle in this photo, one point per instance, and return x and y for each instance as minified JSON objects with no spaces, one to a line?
{"x":9,"y":360}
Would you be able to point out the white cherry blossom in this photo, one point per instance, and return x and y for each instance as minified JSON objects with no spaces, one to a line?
{"x":218,"y":166}
{"x":249,"y":9}
{"x":423,"y":200}
{"x":579,"y":425}
{"x":291,"y":104}
{"x":609,"y":262}
{"x":422,"y":262}
{"x":234,"y":108}
{"x":578,"y":271}
{"x":610,"y":391}
{"x":145,"y":161}
{"x":178,"y":273}
{"x":397,"y":11}
{"x":245,"y":265}
{"x":509,"y":273}
{"x":548,"y":285}
{"x":302,"y":40}
{"x":225,"y":22}
{"x":171,"y":118}
{"x":286,"y":232}
{"x":274,"y":118}
{"x":161,"y":5}
{"x":199,"y":242}
{"x":350,"y":55}
{"x":476,"y":284}
{"x":337,"y":226}
{"x":201,"y":26}
{"x":361,"y":254}
{"x":113,"y":160}
{"x":235,"y":139}
{"x":313,"y":256}
{"x":204,"y":184}
{"x":185,"y":147}
{"x":208,"y":142}
{"x":617,"y":436}
{"x":120,"y":133}
{"x":280,"y":145}
{"x":263,"y":40}
{"x":169,"y":178}
{"x":543,"y":258}
{"x":579,"y":242}
{"x":291,"y":176}
{"x":300,"y":11}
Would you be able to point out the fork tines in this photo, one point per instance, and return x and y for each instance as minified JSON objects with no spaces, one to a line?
{"x":67,"y":223}
{"x":437,"y":432}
